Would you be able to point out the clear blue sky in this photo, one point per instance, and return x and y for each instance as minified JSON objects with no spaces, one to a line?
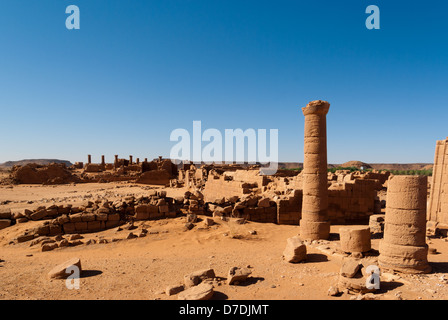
{"x":136,"y":70}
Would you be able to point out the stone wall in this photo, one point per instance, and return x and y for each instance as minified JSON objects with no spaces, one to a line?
{"x":218,"y":187}
{"x":438,"y":201}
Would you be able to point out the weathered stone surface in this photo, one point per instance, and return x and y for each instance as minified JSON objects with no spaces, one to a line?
{"x":172,"y":290}
{"x":22,"y":220}
{"x":4,"y":223}
{"x":42,"y":230}
{"x":355,"y":284}
{"x":204,"y":291}
{"x":49,"y":246}
{"x":355,"y":238}
{"x":333,"y":291}
{"x":314,"y":224}
{"x":59,"y":272}
{"x":101,"y":216}
{"x":131,"y":236}
{"x":349,"y":268}
{"x":63,"y":243}
{"x":5,"y":214}
{"x":376,"y":223}
{"x":237,"y":275}
{"x":75,"y":237}
{"x":39,"y":215}
{"x":264,"y":202}
{"x":209,"y":222}
{"x":75,"y":243}
{"x":113,"y":217}
{"x":191,"y":217}
{"x":189,"y":226}
{"x":25,"y":237}
{"x":196,"y":277}
{"x":404,"y":247}
{"x":86,"y":217}
{"x":295,"y":250}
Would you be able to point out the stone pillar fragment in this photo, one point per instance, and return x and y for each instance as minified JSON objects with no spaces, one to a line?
{"x":355,"y":239}
{"x":314,"y":224}
{"x":89,"y":159}
{"x":404,"y":247}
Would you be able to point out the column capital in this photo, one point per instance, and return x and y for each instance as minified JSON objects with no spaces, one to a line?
{"x":316,"y":107}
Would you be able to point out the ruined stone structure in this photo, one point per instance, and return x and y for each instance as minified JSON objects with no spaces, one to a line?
{"x":289,"y":208}
{"x":230,"y":185}
{"x":438,"y":201}
{"x":314,"y":224}
{"x":404,"y":245}
{"x":40,"y":174}
{"x":355,"y":239}
{"x":351,"y":200}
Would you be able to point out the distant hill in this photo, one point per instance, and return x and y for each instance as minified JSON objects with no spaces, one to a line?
{"x":9,"y":164}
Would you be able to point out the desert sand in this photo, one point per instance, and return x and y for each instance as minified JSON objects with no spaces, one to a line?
{"x":142,"y":268}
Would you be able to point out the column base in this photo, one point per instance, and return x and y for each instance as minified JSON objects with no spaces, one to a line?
{"x":314,"y":230}
{"x":405,"y":259}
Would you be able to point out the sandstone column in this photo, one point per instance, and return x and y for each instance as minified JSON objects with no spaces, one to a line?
{"x":130,"y":160}
{"x":103,"y":161}
{"x":116,"y":161}
{"x":89,"y":159}
{"x":404,"y":247}
{"x":314,"y":224}
{"x":438,"y":204}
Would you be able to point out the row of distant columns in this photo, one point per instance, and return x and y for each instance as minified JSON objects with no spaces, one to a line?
{"x":103,"y":162}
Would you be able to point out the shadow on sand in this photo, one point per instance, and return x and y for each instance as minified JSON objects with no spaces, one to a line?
{"x":90,"y":273}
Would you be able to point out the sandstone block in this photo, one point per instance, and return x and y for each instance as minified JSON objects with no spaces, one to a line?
{"x":237,"y":275}
{"x":295,"y":250}
{"x":5,"y":214}
{"x":196,"y":277}
{"x":355,"y":239}
{"x":60,"y":271}
{"x":203,"y":291}
{"x":4,"y":223}
{"x":172,"y":290}
{"x":38,"y":215}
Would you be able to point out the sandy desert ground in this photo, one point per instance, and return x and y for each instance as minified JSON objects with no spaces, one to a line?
{"x":142,"y":268}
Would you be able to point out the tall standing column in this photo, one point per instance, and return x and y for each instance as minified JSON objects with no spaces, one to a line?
{"x":314,"y":224}
{"x":89,"y":159}
{"x":404,"y":247}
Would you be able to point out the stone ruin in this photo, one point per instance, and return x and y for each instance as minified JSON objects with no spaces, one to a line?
{"x":438,"y":201}
{"x":157,"y":172}
{"x":404,"y":247}
{"x":313,"y":199}
{"x":55,"y":173}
